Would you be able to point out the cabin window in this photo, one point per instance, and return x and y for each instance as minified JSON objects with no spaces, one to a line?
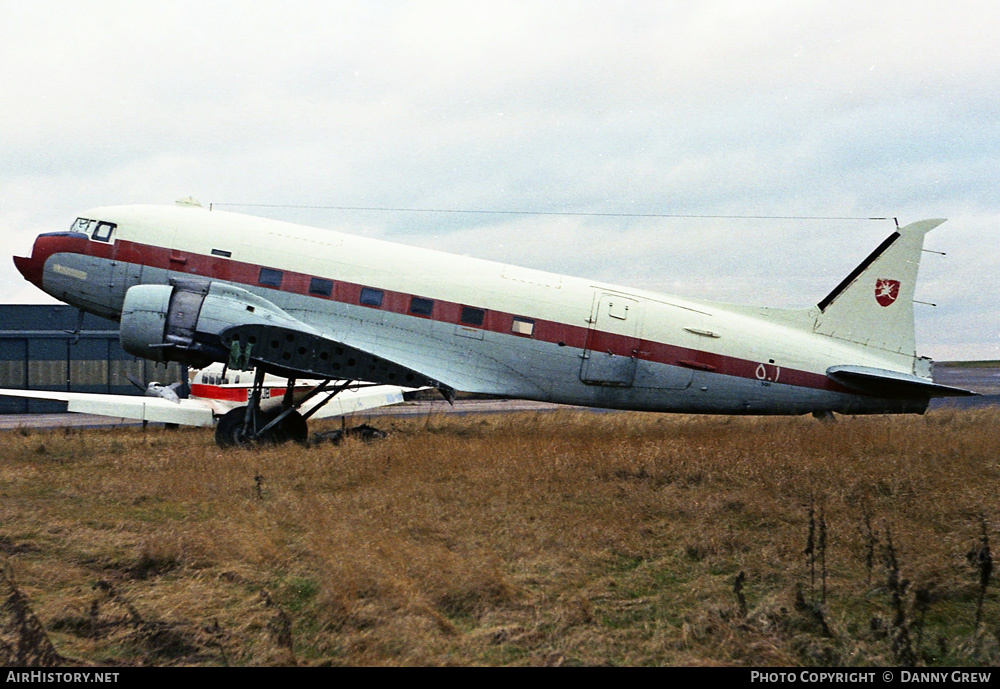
{"x":472,"y":316}
{"x":371,"y":297}
{"x":421,"y":306}
{"x":523,"y":326}
{"x":270,"y":277}
{"x":222,"y":252}
{"x":103,"y":231}
{"x":321,"y":287}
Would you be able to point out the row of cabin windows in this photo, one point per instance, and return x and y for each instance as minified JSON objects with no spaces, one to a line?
{"x":419,"y":306}
{"x":269,"y":277}
{"x":470,"y":315}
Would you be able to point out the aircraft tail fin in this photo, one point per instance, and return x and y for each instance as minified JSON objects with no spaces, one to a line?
{"x":873,"y":306}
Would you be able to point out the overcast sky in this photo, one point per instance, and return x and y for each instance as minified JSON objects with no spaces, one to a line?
{"x":747,"y":108}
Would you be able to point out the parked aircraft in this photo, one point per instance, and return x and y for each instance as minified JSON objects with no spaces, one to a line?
{"x":216,"y":391}
{"x":199,"y":286}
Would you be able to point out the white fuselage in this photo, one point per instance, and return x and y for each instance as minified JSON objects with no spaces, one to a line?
{"x":476,"y":325}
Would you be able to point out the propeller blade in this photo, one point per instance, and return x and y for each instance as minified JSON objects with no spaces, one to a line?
{"x":135,"y":382}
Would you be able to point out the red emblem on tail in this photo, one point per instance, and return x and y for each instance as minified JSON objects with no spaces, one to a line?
{"x":886,"y":291}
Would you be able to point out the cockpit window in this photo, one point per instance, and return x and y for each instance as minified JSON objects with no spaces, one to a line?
{"x":103,"y":231}
{"x":83,"y":225}
{"x":95,"y":229}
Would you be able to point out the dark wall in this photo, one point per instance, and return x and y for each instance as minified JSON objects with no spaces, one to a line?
{"x":40,"y":351}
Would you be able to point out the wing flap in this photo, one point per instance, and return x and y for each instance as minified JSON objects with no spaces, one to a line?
{"x":885,"y":383}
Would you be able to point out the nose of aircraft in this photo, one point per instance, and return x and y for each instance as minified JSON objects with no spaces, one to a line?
{"x":46,"y":244}
{"x":30,"y":268}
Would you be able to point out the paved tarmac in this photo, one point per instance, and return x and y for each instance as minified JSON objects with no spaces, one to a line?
{"x":985,"y":381}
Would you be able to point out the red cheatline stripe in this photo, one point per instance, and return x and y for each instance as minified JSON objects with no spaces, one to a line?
{"x":217,"y":392}
{"x":221,"y":268}
{"x":229,"y":393}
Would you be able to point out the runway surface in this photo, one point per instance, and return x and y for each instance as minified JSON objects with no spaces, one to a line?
{"x":985,"y":381}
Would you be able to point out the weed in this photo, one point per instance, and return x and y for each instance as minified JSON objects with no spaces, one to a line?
{"x":822,"y":553}
{"x":871,"y":543}
{"x":23,"y":640}
{"x":741,"y":600}
{"x":981,"y":558}
{"x":902,"y":648}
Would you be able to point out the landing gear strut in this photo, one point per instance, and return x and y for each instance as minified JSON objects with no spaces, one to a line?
{"x":250,"y":424}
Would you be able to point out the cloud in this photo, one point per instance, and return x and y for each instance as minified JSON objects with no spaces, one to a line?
{"x":714,"y":108}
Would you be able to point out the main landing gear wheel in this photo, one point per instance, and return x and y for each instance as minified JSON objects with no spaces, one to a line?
{"x":232,"y":429}
{"x":250,"y":425}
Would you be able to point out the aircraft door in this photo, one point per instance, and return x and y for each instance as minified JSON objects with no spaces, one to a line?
{"x":612,"y":342}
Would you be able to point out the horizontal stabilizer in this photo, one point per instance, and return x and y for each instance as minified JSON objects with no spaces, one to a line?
{"x":883,"y":383}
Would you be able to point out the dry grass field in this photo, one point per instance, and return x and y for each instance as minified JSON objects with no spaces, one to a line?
{"x":561,"y":538}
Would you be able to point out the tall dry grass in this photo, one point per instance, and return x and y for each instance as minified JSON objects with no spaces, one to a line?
{"x":548,"y":538}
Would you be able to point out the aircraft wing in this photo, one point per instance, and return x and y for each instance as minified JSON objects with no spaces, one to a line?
{"x":310,"y":353}
{"x":202,"y":412}
{"x":187,"y":412}
{"x":877,"y":381}
{"x":353,"y":401}
{"x":244,"y":330}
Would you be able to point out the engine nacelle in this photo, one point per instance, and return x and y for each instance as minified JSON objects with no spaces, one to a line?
{"x":182,"y":321}
{"x":144,"y":315}
{"x":159,"y":322}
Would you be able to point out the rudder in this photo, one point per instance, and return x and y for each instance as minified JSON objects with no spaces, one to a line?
{"x":873,"y":306}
